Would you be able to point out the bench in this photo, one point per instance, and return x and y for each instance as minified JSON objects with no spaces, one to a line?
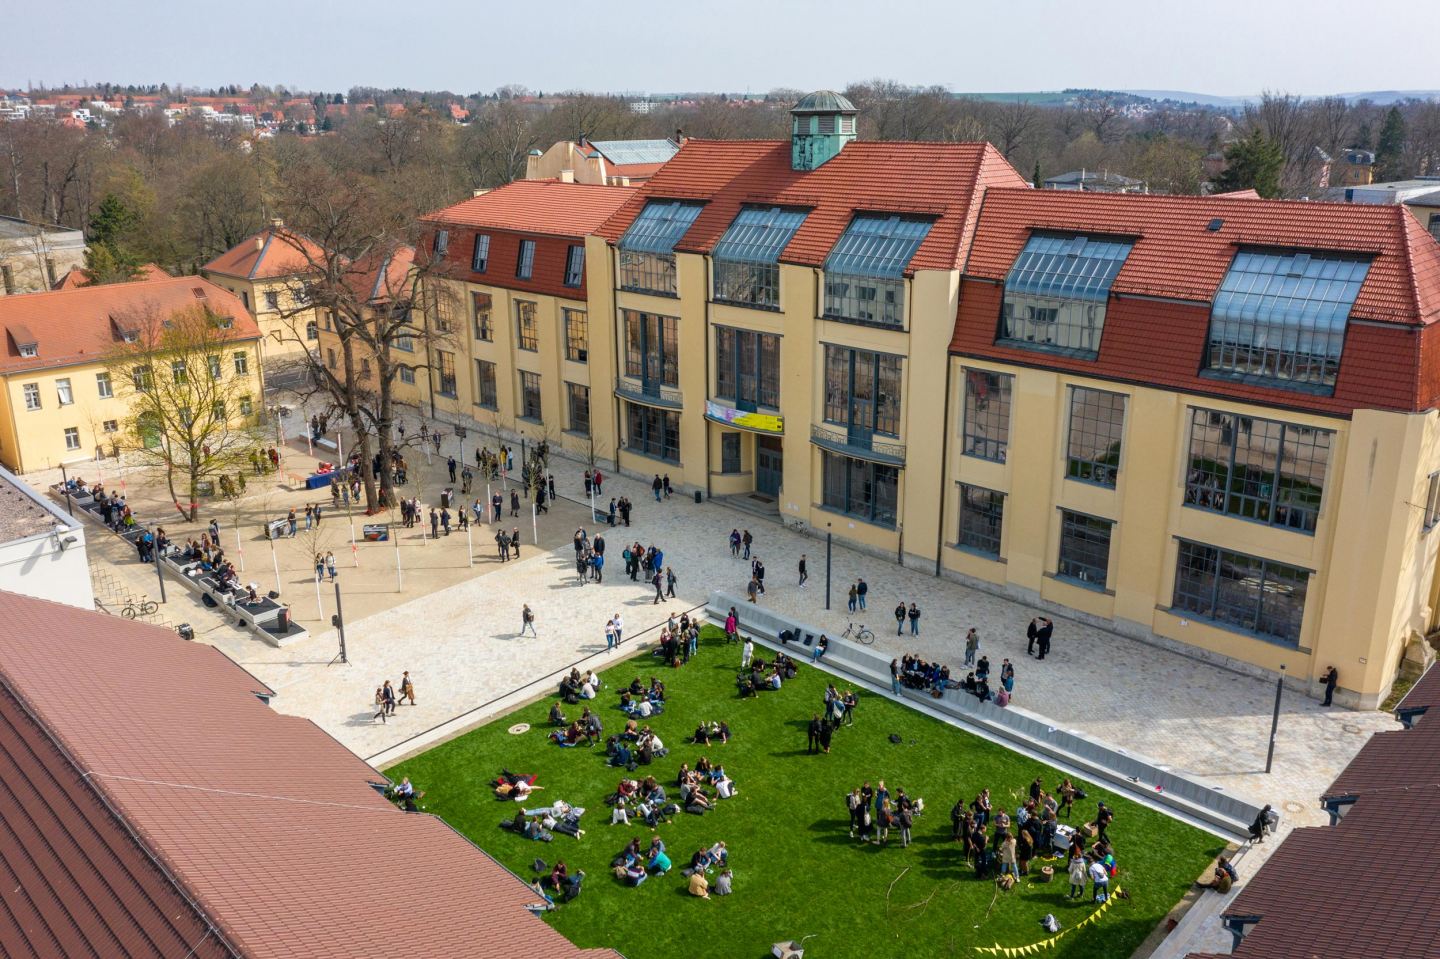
{"x":327,"y":443}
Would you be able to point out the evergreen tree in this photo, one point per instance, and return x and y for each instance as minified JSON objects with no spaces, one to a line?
{"x":1390,"y":149}
{"x":1252,"y":163}
{"x":111,"y":221}
{"x":1035,"y":177}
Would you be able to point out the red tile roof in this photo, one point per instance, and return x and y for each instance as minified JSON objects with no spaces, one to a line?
{"x":73,"y":279}
{"x":1362,"y":888}
{"x":268,"y":254}
{"x":635,"y":171}
{"x":943,"y":180}
{"x":1176,"y":257}
{"x":267,"y":823}
{"x":1423,"y":695}
{"x":1391,"y":760}
{"x":382,"y":274}
{"x":537,"y":206}
{"x":77,"y":325}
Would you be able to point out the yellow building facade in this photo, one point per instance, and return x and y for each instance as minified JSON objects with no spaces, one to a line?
{"x":59,"y":403}
{"x":266,"y":272}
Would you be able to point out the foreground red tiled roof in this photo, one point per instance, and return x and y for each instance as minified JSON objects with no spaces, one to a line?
{"x":268,"y":254}
{"x":635,"y":171}
{"x":943,"y":180}
{"x":382,"y":274}
{"x":1362,"y":888}
{"x":1423,"y":695}
{"x":1391,"y":760}
{"x":1175,"y":256}
{"x":76,"y":278}
{"x":267,"y":824}
{"x":75,"y":326}
{"x":537,"y":206}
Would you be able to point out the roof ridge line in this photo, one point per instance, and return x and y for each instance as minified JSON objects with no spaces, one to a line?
{"x":231,"y":792}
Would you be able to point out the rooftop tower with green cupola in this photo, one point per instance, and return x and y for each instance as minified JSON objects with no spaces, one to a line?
{"x":820,"y":126}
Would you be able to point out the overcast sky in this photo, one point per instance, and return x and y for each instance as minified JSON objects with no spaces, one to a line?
{"x":1222,"y":47}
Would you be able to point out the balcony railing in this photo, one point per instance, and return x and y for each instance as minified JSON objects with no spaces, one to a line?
{"x":649,"y":392}
{"x":857,"y":444}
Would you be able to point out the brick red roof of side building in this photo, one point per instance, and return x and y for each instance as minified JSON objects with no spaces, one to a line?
{"x":79,"y":325}
{"x":547,"y":207}
{"x":1175,"y":256}
{"x":273,"y":252}
{"x":76,"y":278}
{"x":940,"y":180}
{"x":154,"y":805}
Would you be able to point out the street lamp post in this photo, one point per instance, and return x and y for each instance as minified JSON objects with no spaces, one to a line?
{"x":338,"y":621}
{"x":65,"y":485}
{"x":1275,"y":720}
{"x":524,"y":464}
{"x":159,"y":570}
{"x":828,"y":537}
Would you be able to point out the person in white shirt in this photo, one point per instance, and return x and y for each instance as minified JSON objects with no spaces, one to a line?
{"x":619,"y":628}
{"x":1100,"y":881}
{"x":746,"y":651}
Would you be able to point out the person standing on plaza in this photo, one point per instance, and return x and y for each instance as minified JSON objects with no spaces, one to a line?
{"x":330,"y":564}
{"x":732,"y":626}
{"x":445,"y":521}
{"x":852,"y":597}
{"x":734,"y":542}
{"x":599,"y":483}
{"x":655,"y":487}
{"x":514,"y":502}
{"x":589,"y":482}
{"x":747,"y":651}
{"x":451,"y":464}
{"x":804,"y":574}
{"x":619,"y":628}
{"x":694,"y":638}
{"x":895,"y":676}
{"x":291,"y":520}
{"x":1331,"y":679}
{"x":497,"y":505}
{"x":610,"y":513}
{"x":657,"y":580}
{"x":527,"y":621}
{"x":745,"y":540}
{"x":609,"y":635}
{"x":972,"y":646}
{"x":914,"y":615}
{"x":669,"y":582}
{"x":502,"y":543}
{"x":625,"y":507}
{"x":812,"y":734}
{"x":861,"y":589}
{"x":515,"y":542}
{"x":1042,"y":639}
{"x":434,"y":523}
{"x":900,"y":618}
{"x":317,"y":517}
{"x":1032,"y":633}
{"x":309,"y":516}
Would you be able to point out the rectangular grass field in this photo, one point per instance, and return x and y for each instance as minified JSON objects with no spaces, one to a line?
{"x":797,"y":872}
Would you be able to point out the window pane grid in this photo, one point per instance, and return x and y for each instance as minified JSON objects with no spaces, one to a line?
{"x":480,"y":306}
{"x":577,"y":336}
{"x":1263,"y":470}
{"x":445,"y":362}
{"x":651,"y":348}
{"x":647,"y":272}
{"x":485,"y":393}
{"x":987,"y":414}
{"x":659,"y":226}
{"x":1097,"y":426}
{"x":575,"y":266}
{"x":747,"y":368}
{"x":527,"y":338}
{"x":480,"y":258}
{"x":1247,"y":592}
{"x":1056,"y":291}
{"x":862,"y":391}
{"x":578,"y":400}
{"x":982,"y":515}
{"x":1281,"y":316}
{"x":653,"y":432}
{"x":525,"y":264}
{"x":1084,"y":548}
{"x":877,"y":245}
{"x":530,"y":395}
{"x":745,"y":260}
{"x":865,"y":490}
{"x":850,"y":296}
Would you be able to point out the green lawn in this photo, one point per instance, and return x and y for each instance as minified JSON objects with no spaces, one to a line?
{"x":797,"y":872}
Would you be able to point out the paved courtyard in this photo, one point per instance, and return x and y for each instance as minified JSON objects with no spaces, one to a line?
{"x":455,"y":628}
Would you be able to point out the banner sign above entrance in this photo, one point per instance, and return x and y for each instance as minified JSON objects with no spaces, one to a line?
{"x":759,"y":422}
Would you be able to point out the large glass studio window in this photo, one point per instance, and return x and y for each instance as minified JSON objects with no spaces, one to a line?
{"x":1056,"y":291}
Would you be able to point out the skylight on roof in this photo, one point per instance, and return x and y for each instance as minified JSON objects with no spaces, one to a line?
{"x":877,"y":245}
{"x":759,"y":234}
{"x":659,"y":226}
{"x":1070,"y":267}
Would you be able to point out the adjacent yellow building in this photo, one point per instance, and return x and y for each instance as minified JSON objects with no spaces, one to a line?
{"x":266,"y":272}
{"x":58,"y":401}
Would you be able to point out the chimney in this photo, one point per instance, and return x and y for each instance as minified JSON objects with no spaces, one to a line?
{"x":567,"y":176}
{"x":259,"y":243}
{"x":277,"y":224}
{"x":679,"y":137}
{"x":478,"y":192}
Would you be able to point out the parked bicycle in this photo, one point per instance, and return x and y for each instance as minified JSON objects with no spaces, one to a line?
{"x":145,"y":607}
{"x":860,"y":634}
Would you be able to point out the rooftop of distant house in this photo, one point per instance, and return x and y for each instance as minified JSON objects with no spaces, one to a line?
{"x":547,"y":207}
{"x":272,"y":253}
{"x":15,"y":228}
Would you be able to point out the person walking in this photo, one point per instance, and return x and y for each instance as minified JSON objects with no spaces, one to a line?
{"x":669,"y":582}
{"x":745,"y":540}
{"x":759,"y":569}
{"x":656,"y":580}
{"x":379,"y":706}
{"x":734,"y":542}
{"x":619,"y":628}
{"x":609,"y":635}
{"x":502,"y":543}
{"x":1042,"y":639}
{"x":972,"y":646}
{"x":309,"y":516}
{"x":852,"y":597}
{"x":751,"y":588}
{"x":900,"y":619}
{"x":388,"y":692}
{"x":317,"y":521}
{"x":407,"y":688}
{"x":550,"y":484}
{"x":666,"y":484}
{"x":330,"y":564}
{"x":812,"y":734}
{"x":445,"y":521}
{"x":747,"y":650}
{"x":861,"y":588}
{"x":914,"y":615}
{"x":1331,"y":679}
{"x":804,"y":574}
{"x":527,"y":621}
{"x":655,"y":487}
{"x":895,"y":676}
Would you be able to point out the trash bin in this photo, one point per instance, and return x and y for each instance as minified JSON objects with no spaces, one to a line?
{"x":445,"y":499}
{"x":698,"y":499}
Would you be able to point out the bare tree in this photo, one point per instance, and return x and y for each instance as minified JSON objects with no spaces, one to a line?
{"x":497,"y":143}
{"x":189,"y":409}
{"x":1012,"y":125}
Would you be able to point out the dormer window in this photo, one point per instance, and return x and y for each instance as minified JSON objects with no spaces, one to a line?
{"x":865,"y":272}
{"x":30,"y":350}
{"x":647,"y":250}
{"x":1279,"y":317}
{"x":26,"y":343}
{"x":1057,"y":290}
{"x":747,"y":258}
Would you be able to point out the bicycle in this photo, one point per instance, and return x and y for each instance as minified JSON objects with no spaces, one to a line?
{"x":861,"y":635}
{"x":146,"y":607}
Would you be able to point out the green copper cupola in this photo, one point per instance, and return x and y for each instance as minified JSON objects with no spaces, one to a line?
{"x":820,"y":126}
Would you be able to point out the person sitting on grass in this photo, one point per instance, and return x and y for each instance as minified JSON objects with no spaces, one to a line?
{"x":697,"y":803}
{"x":657,"y":861}
{"x":570,"y":736}
{"x":620,"y":814}
{"x":533,"y":829}
{"x":774,"y":682}
{"x":558,"y":878}
{"x":699,"y":885}
{"x":724,"y":785}
{"x":619,"y":752}
{"x":557,"y":716}
{"x":723,"y":883}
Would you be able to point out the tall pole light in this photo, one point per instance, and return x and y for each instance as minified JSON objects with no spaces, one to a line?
{"x":65,"y":485}
{"x":159,"y":570}
{"x":338,"y":621}
{"x":828,"y":537}
{"x":1275,"y":720}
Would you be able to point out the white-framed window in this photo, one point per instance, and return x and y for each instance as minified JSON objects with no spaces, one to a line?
{"x":104,"y":386}
{"x":246,"y":407}
{"x":213,"y":362}
{"x":111,"y":426}
{"x":242,"y":363}
{"x":72,"y":438}
{"x":272,"y":300}
{"x":177,"y":371}
{"x":407,"y":375}
{"x":63,"y":392}
{"x":1432,"y":502}
{"x":32,"y":396}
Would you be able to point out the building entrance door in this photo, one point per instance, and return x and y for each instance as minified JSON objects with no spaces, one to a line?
{"x":768,"y":465}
